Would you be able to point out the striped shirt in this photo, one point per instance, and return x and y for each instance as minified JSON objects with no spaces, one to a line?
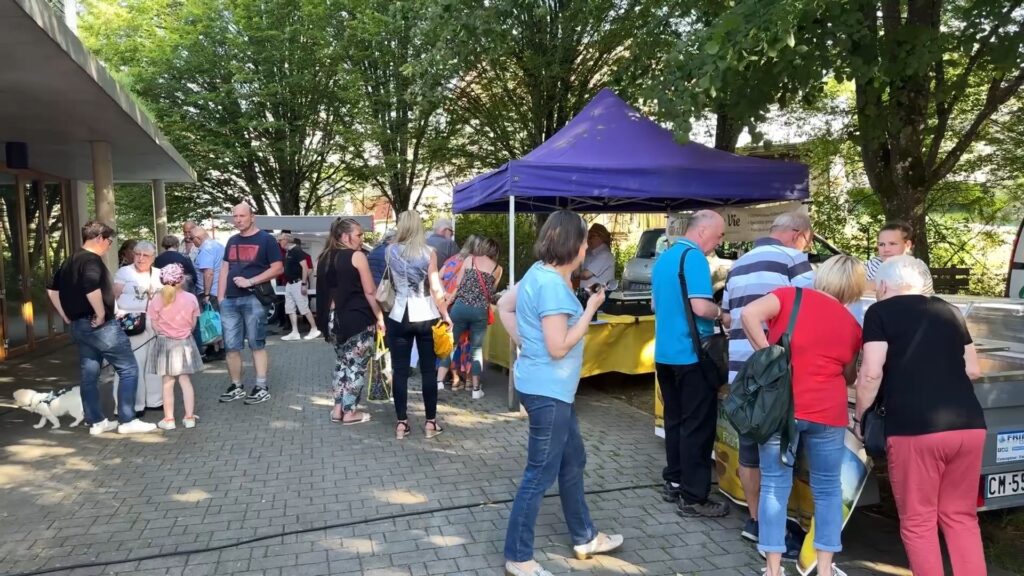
{"x":876,"y":262}
{"x":769,"y":265}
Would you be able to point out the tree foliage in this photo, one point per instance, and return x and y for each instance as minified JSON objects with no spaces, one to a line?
{"x":928,"y":77}
{"x":528,"y":66}
{"x":407,"y":138}
{"x":253,"y":93}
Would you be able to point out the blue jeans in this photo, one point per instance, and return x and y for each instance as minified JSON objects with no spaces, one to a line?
{"x":555,"y":450}
{"x":824,"y":446}
{"x":475,"y":321}
{"x":243,"y":318}
{"x":108,"y":342}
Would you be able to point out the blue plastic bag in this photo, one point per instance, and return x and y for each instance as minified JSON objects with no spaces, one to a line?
{"x":210,"y":329}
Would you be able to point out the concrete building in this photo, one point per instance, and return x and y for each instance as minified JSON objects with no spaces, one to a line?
{"x":64,"y":122}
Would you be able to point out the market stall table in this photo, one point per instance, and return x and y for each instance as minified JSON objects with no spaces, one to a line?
{"x":613,"y":344}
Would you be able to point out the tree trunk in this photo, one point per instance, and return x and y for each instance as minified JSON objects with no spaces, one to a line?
{"x":727,"y":131}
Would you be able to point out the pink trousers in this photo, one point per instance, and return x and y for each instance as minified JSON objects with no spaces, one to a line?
{"x":935,"y":482}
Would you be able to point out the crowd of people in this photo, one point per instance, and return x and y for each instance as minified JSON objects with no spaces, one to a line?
{"x":917,"y":362}
{"x":921,"y":377}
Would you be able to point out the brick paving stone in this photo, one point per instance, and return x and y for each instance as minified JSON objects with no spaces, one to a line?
{"x":245,"y":471}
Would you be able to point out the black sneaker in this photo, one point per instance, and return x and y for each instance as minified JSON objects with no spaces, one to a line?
{"x":750,"y":530}
{"x":670,"y":493}
{"x":234,"y":392}
{"x":709,"y":509}
{"x":257,"y":396}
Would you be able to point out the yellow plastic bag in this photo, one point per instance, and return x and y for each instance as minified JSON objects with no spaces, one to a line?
{"x":444,"y":340}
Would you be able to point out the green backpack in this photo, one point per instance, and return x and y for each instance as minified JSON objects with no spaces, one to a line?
{"x":760,"y":401}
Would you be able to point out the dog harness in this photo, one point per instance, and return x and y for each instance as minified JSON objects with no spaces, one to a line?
{"x":53,"y":395}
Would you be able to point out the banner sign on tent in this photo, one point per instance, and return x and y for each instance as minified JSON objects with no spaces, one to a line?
{"x":746,"y":224}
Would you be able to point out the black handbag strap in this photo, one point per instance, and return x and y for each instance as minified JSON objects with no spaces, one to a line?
{"x":691,"y":316}
{"x":788,"y":334}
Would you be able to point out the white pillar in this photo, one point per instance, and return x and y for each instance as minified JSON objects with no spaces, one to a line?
{"x":511,"y":280}
{"x":159,"y":211}
{"x":103,"y":190}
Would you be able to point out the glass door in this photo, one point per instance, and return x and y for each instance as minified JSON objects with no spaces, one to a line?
{"x":12,"y":281}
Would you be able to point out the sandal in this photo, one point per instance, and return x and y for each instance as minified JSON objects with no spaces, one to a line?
{"x":402,"y":430}
{"x":431,"y":428}
{"x":360,"y":417}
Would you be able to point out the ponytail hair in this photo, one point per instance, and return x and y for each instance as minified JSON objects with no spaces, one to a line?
{"x":169,"y":292}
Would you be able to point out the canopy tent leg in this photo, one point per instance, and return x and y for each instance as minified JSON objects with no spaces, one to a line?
{"x":512,"y":352}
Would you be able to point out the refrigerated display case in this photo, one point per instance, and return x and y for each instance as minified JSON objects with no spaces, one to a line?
{"x":997,"y":326}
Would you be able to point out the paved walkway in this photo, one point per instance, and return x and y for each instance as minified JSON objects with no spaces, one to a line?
{"x":248,"y":471}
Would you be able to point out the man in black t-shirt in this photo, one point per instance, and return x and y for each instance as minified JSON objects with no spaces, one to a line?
{"x":251,"y":258}
{"x":82,"y":293}
{"x":297,"y":266}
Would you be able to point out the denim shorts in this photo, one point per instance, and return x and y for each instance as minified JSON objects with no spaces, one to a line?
{"x":243,"y":318}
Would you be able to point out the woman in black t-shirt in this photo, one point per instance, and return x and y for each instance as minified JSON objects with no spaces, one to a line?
{"x":343,"y":279}
{"x":918,"y":362}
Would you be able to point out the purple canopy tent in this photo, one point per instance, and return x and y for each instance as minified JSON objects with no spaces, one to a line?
{"x":610,"y":158}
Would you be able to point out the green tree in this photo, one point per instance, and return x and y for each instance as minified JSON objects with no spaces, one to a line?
{"x":528,"y":66}
{"x":399,"y":115}
{"x":928,"y":77}
{"x":253,"y":93}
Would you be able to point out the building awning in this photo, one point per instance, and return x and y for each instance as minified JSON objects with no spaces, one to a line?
{"x":57,"y":98}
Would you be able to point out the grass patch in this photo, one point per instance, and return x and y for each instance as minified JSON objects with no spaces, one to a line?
{"x":1003,"y":533}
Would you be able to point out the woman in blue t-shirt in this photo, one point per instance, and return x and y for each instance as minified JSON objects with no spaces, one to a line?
{"x":544,"y":317}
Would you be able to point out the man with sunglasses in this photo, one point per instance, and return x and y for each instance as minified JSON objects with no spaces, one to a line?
{"x":776,"y":261}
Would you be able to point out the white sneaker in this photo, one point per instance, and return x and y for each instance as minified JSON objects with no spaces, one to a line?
{"x":600,"y":544}
{"x":836,"y":571}
{"x":313,"y":334}
{"x":782,"y":571}
{"x":291,"y":337}
{"x":190,"y":422}
{"x":512,"y":569}
{"x":101,"y":427}
{"x":166,"y":424}
{"x":440,"y":385}
{"x":478,"y":393}
{"x":136,"y":427}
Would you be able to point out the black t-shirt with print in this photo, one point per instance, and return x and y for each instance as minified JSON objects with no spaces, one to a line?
{"x":249,"y":256}
{"x":85,"y":272}
{"x":927,"y":391}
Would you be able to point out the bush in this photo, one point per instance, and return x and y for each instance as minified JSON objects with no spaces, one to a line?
{"x":496,"y":226}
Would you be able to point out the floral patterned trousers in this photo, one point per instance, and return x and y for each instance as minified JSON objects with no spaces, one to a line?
{"x":350,"y":369}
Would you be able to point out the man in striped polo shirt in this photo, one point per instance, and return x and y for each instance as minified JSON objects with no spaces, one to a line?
{"x":776,"y":261}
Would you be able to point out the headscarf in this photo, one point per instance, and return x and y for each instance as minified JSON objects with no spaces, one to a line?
{"x":172,"y":274}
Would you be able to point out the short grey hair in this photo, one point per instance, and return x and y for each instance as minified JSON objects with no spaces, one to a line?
{"x":796,"y":220}
{"x":145,"y":246}
{"x":905,"y":274}
{"x":701,"y":218}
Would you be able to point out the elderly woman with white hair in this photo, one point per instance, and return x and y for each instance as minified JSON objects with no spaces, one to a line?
{"x":134,"y":286}
{"x":917,"y":364}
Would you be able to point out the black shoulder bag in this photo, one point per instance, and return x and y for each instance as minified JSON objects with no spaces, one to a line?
{"x":872,"y":421}
{"x":713,"y":351}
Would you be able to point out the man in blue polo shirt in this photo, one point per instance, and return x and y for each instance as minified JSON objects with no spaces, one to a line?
{"x":691,"y":403}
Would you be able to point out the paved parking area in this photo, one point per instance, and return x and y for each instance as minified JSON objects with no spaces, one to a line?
{"x":250,"y":471}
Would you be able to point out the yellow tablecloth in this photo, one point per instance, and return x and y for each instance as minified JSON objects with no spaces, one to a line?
{"x":615,"y":344}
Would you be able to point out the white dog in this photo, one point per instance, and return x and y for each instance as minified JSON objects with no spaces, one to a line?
{"x":51,"y":405}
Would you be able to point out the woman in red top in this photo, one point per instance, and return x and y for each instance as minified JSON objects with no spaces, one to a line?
{"x":823,"y":353}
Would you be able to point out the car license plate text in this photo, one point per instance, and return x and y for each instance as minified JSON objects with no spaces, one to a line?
{"x":1008,"y":484}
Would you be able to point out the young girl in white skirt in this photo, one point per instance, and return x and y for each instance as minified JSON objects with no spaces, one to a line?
{"x":175,"y":355}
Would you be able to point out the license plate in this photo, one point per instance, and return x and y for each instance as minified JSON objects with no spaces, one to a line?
{"x":1008,"y":484}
